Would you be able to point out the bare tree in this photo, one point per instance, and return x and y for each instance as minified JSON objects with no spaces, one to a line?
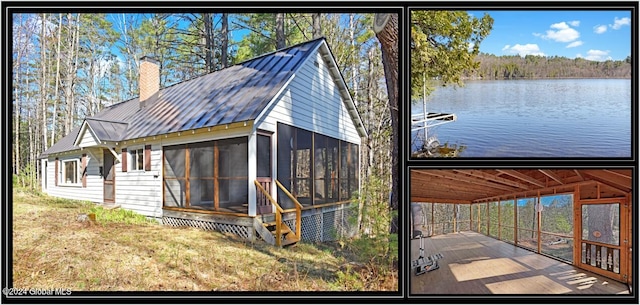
{"x":280,"y":38}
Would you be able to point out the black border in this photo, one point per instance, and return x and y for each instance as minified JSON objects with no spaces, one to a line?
{"x":524,"y":163}
{"x":9,"y":8}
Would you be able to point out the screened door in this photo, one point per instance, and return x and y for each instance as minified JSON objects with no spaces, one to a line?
{"x":108,"y":176}
{"x":264,"y":206}
{"x":602,"y":231}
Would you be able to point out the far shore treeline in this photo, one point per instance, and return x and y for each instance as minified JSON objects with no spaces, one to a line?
{"x":494,"y":67}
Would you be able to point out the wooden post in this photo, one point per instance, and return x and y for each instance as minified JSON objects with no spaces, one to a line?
{"x":216,"y":182}
{"x":539,"y":222}
{"x":577,"y":226}
{"x":499,"y":220}
{"x":515,"y":220}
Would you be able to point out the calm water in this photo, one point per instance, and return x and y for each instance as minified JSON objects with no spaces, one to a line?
{"x":536,"y":118}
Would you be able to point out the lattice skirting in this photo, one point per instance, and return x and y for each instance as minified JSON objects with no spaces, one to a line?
{"x":242,"y":231}
{"x":327,"y":224}
{"x":318,"y":225}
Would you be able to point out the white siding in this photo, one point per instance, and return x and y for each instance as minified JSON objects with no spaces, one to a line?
{"x":313,"y":102}
{"x":86,"y":138}
{"x":140,"y":191}
{"x":93,"y":191}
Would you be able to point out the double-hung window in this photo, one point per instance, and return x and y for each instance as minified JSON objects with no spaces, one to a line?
{"x":70,"y":171}
{"x":137,"y":159}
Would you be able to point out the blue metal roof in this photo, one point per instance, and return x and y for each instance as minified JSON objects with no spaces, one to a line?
{"x":235,"y":94}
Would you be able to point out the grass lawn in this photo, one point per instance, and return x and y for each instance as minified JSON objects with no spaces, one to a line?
{"x":122,"y":251}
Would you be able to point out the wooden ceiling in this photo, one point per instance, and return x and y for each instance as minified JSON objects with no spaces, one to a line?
{"x":480,"y":185}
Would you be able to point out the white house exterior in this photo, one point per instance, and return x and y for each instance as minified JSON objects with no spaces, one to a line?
{"x":193,"y":153}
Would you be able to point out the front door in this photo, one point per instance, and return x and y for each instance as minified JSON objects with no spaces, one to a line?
{"x":264,"y":206}
{"x":108,"y":176}
{"x":603,"y":237}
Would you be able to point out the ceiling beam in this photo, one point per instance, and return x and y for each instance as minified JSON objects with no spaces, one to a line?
{"x":437,"y":200}
{"x":521,"y":176}
{"x":609,"y":178}
{"x":579,"y":174}
{"x":487,"y":176}
{"x":460,"y":178}
{"x":551,"y":175}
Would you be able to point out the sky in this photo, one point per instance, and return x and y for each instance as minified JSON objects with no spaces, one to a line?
{"x":593,"y":35}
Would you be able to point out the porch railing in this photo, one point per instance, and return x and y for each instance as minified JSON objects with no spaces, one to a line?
{"x":279,"y":211}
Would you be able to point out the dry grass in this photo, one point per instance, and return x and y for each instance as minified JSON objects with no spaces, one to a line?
{"x":51,"y":248}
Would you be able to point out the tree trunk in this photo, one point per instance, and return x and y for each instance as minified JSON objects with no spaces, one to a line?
{"x":43,"y":80}
{"x":57,"y":96}
{"x":386,"y":29}
{"x":208,"y":37}
{"x":225,"y":40}
{"x":317,"y":31}
{"x":280,"y":39}
{"x":600,"y":223}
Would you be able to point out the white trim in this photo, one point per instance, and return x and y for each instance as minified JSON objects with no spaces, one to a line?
{"x":62,"y":173}
{"x":131,"y":160}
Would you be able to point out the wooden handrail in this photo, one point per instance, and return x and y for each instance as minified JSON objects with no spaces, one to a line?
{"x":279,"y":212}
{"x":298,"y":208}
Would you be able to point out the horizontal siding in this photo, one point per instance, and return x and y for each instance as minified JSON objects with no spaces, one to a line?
{"x":87,"y":138}
{"x":93,"y":191}
{"x":313,"y":102}
{"x":141,"y":191}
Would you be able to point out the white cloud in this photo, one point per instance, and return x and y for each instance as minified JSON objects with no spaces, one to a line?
{"x":574,"y":23}
{"x":599,"y":29}
{"x":618,"y":23}
{"x":523,"y":50}
{"x":564,"y":33}
{"x":575,"y":44}
{"x":596,"y":55}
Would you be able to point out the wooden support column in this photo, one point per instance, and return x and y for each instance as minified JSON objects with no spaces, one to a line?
{"x":216,"y":183}
{"x":515,"y":220}
{"x":499,"y":220}
{"x":455,"y":215}
{"x":577,"y":226}
{"x":539,"y":222}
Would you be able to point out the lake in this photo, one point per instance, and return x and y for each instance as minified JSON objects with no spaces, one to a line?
{"x":560,"y":118}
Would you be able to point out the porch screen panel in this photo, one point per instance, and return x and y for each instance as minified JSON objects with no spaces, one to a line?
{"x":320,"y":169}
{"x":493,"y":219}
{"x":344,"y":171}
{"x":557,"y":226}
{"x":507,"y":208}
{"x":333,"y":148}
{"x":463,"y":217}
{"x":285,"y":157}
{"x":303,"y":164}
{"x":174,"y":176}
{"x":482,"y":209}
{"x":354,"y":169}
{"x":201,"y":175}
{"x":233,"y":172}
{"x":264,"y":156}
{"x":527,"y":223}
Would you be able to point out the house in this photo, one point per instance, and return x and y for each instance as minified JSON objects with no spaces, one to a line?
{"x":268,"y":149}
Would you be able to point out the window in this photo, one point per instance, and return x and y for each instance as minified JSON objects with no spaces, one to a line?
{"x":70,"y":171}
{"x":137,"y":159}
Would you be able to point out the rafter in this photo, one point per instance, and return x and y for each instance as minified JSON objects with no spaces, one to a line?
{"x":551,"y":175}
{"x":521,"y":176}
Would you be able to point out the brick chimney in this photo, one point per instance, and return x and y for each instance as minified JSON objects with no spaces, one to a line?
{"x":149,"y":82}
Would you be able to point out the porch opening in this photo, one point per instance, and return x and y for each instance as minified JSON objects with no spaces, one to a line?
{"x":207,"y":176}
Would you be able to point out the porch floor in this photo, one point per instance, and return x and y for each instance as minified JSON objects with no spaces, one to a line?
{"x":477,"y":264}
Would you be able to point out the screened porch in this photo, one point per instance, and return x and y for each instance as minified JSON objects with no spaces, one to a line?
{"x":523,"y":231}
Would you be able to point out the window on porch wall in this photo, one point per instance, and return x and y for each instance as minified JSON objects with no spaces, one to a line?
{"x":463,"y":216}
{"x":215,"y":178}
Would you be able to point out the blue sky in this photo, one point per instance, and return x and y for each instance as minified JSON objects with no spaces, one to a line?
{"x":593,"y":35}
